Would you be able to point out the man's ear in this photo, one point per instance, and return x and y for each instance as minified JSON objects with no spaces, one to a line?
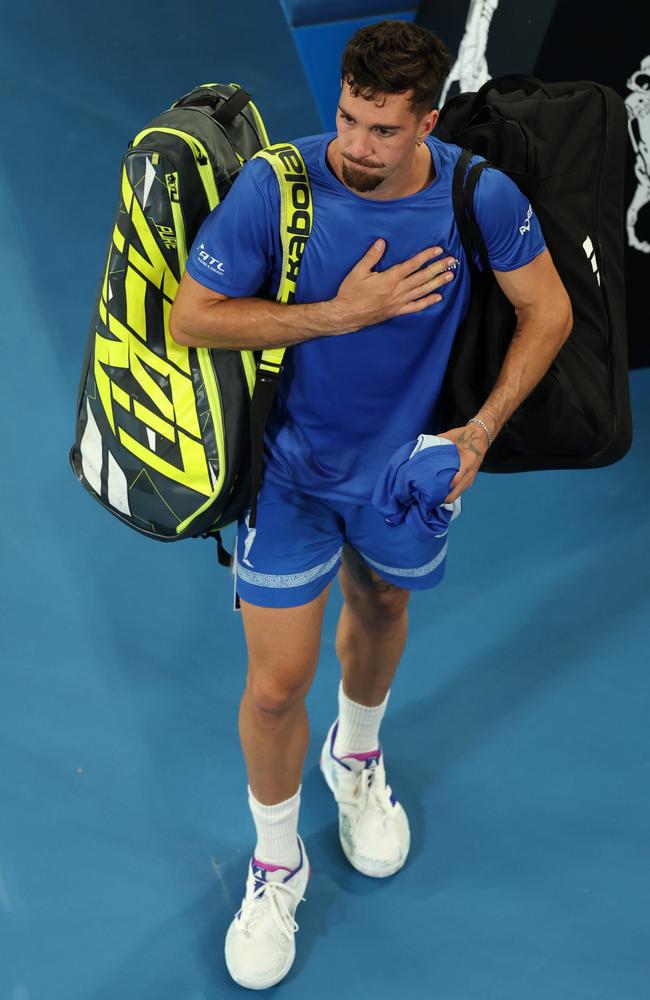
{"x":432,"y":119}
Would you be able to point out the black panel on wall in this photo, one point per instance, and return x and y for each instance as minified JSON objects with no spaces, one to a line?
{"x":514,"y":29}
{"x":557,"y":40}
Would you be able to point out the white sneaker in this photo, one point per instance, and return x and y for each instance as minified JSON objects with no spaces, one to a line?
{"x":260,"y":943}
{"x":373,"y":827}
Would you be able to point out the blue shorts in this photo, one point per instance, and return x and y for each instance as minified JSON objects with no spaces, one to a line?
{"x":295,"y":550}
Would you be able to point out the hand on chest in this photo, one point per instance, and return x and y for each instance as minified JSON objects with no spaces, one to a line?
{"x":340,"y":239}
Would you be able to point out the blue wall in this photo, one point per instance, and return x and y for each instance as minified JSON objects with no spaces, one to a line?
{"x":301,"y":12}
{"x":78,"y":89}
{"x":321,"y":29}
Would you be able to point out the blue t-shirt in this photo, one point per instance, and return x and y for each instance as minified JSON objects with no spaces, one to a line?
{"x":345,"y":403}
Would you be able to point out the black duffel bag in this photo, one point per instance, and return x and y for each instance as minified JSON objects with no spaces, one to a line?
{"x":564,"y":145}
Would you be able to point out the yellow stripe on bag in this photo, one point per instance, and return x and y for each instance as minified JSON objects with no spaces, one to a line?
{"x":194,"y":471}
{"x":248,"y":362}
{"x":121,"y":397}
{"x":152,"y":420}
{"x":118,"y":239}
{"x":154,"y":266}
{"x":296,"y":220}
{"x":169,"y":417}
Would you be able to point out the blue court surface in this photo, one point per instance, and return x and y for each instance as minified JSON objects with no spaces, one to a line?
{"x":517,"y":732}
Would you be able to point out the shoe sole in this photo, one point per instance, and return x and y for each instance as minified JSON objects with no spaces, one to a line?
{"x":359,"y":866}
{"x":249,"y":984}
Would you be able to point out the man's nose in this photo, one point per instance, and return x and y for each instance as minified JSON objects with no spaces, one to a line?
{"x":359,"y":146}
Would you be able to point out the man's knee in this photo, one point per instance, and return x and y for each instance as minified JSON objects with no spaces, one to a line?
{"x":275,"y":691}
{"x":383,"y":609}
{"x":368,"y":595}
{"x":283,"y":648}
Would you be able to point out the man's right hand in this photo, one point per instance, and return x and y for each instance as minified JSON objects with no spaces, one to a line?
{"x":366,"y":296}
{"x":201,"y":317}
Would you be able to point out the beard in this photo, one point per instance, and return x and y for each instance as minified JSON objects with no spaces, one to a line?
{"x":360,"y":180}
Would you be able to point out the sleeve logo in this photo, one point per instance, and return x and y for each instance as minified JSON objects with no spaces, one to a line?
{"x":210,"y":262}
{"x":526,"y":226}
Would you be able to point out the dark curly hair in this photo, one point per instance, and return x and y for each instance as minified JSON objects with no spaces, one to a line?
{"x":392,"y":57}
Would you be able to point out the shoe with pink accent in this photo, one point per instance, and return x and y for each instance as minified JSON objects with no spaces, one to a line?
{"x":260,"y":943}
{"x":373,"y":827}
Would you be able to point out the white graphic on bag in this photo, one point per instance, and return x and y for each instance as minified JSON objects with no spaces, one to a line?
{"x":210,"y":262}
{"x":588,"y":248}
{"x":526,"y":226}
{"x":470,"y":71}
{"x":638,"y":113}
{"x":149,"y":178}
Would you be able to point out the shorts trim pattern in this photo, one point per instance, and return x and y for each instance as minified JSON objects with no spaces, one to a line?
{"x":282,"y":581}
{"x":408,"y":572}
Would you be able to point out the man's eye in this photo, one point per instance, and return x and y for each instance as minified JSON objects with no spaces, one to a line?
{"x":384,"y":131}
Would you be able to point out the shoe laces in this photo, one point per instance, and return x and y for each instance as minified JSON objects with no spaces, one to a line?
{"x":368,"y":791}
{"x":275,"y":894}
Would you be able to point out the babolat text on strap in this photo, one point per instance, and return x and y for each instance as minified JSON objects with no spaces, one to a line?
{"x":296,"y":219}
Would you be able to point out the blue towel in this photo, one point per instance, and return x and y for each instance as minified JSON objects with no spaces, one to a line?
{"x":414,"y":484}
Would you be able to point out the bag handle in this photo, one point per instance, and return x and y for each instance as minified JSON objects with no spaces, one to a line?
{"x":504,"y":84}
{"x":225,"y":109}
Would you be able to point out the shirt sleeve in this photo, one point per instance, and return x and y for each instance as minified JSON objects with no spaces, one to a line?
{"x":233,"y":252}
{"x":509,"y":226}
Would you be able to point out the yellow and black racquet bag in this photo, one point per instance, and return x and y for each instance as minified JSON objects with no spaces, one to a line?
{"x":163,"y":433}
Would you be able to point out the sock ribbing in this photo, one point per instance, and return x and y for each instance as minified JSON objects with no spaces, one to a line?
{"x":358,"y":730}
{"x":277,"y":830}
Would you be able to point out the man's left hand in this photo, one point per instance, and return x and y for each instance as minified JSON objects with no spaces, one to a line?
{"x":472,"y":444}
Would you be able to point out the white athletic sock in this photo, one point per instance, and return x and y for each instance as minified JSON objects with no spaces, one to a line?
{"x":277,"y":830}
{"x":358,"y":730}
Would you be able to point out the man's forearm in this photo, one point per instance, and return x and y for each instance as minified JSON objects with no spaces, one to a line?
{"x":535,"y":343}
{"x":256,"y":324}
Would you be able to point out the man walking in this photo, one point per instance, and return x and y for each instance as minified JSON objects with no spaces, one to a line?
{"x":382,"y":290}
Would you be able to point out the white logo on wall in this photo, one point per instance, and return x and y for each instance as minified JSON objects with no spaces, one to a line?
{"x":210,"y":262}
{"x":638,"y":112}
{"x":470,"y":70}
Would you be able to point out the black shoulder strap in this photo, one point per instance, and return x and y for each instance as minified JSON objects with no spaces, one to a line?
{"x":475,"y":233}
{"x":458,"y":201}
{"x":462,"y":194}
